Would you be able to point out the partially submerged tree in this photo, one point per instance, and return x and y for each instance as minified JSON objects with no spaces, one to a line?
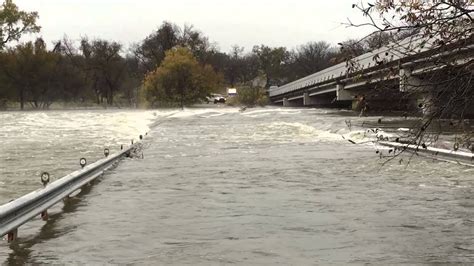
{"x":29,"y":71}
{"x":251,"y":96}
{"x":180,"y":80}
{"x":106,"y":67}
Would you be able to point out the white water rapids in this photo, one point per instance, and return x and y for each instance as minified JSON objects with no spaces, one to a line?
{"x":219,"y":186}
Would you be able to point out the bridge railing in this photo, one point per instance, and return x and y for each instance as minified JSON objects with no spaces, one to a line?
{"x":389,"y":53}
{"x":21,"y":210}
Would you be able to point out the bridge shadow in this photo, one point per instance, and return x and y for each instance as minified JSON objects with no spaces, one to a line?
{"x":22,"y":247}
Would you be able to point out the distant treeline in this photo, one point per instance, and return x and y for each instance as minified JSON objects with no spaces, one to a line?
{"x":103,"y":72}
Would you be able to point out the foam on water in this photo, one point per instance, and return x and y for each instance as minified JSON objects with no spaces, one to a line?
{"x":219,"y":186}
{"x":32,"y":142}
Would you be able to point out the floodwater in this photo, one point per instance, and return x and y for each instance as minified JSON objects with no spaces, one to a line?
{"x":219,"y":186}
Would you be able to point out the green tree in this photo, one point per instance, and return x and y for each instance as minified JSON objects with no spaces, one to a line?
{"x":29,"y":72}
{"x":180,"y":80}
{"x":234,"y":65}
{"x":14,"y":23}
{"x":252,"y":96}
{"x":132,"y":80}
{"x":273,"y":62}
{"x":105,"y":67}
{"x":151,"y":51}
{"x":250,"y":69}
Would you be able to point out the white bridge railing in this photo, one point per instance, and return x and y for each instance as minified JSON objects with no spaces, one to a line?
{"x":19,"y":211}
{"x":383,"y":57}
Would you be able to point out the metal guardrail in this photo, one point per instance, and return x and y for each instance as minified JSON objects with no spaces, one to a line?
{"x":460,"y":157}
{"x":23,"y":209}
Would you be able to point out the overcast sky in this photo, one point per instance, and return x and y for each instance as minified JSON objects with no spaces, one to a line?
{"x":244,"y":22}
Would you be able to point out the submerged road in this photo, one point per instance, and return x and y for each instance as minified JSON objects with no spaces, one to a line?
{"x":267,"y":186}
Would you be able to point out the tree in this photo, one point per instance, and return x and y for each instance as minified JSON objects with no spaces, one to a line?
{"x":310,"y":58}
{"x":445,"y":26}
{"x":197,"y":43}
{"x":234,"y":65}
{"x":152,"y":50}
{"x":30,"y":74}
{"x":251,"y":96}
{"x":378,"y":40}
{"x":240,"y":68}
{"x":70,"y":75}
{"x":132,"y":80}
{"x":349,"y":49}
{"x":250,"y":68}
{"x":180,"y":80}
{"x":273,"y":62}
{"x":105,"y":67}
{"x":217,"y":60}
{"x":14,"y":23}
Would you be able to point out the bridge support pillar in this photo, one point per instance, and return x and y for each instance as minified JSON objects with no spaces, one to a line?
{"x":288,"y":103}
{"x":415,"y":86}
{"x":422,"y":91}
{"x":344,"y":95}
{"x":411,"y":83}
{"x":308,"y":100}
{"x":320,"y":100}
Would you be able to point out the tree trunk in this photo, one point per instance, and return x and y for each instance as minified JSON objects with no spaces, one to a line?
{"x":22,"y":99}
{"x":182,"y":98}
{"x":110,"y":97}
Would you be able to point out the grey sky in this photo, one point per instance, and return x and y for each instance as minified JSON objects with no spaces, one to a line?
{"x":243,"y":22}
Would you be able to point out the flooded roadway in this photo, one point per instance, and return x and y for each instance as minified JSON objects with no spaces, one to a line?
{"x":216,"y":186}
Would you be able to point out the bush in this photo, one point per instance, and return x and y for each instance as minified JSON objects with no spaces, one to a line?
{"x":250,"y":96}
{"x":180,"y":80}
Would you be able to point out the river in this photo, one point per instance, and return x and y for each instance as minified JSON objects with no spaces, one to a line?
{"x":219,"y":186}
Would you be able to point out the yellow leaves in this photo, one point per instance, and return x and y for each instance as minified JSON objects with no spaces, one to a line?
{"x":179,"y":79}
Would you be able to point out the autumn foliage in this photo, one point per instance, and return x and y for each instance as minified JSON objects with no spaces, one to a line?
{"x":180,"y":80}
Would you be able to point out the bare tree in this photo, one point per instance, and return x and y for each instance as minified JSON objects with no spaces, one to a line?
{"x":310,"y":58}
{"x":442,"y":32}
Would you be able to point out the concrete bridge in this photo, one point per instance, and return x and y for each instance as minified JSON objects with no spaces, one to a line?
{"x":395,"y":77}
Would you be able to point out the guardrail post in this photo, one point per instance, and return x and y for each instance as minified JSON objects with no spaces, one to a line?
{"x":12,"y":235}
{"x":45,"y":181}
{"x":17,"y":212}
{"x":44,"y":215}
